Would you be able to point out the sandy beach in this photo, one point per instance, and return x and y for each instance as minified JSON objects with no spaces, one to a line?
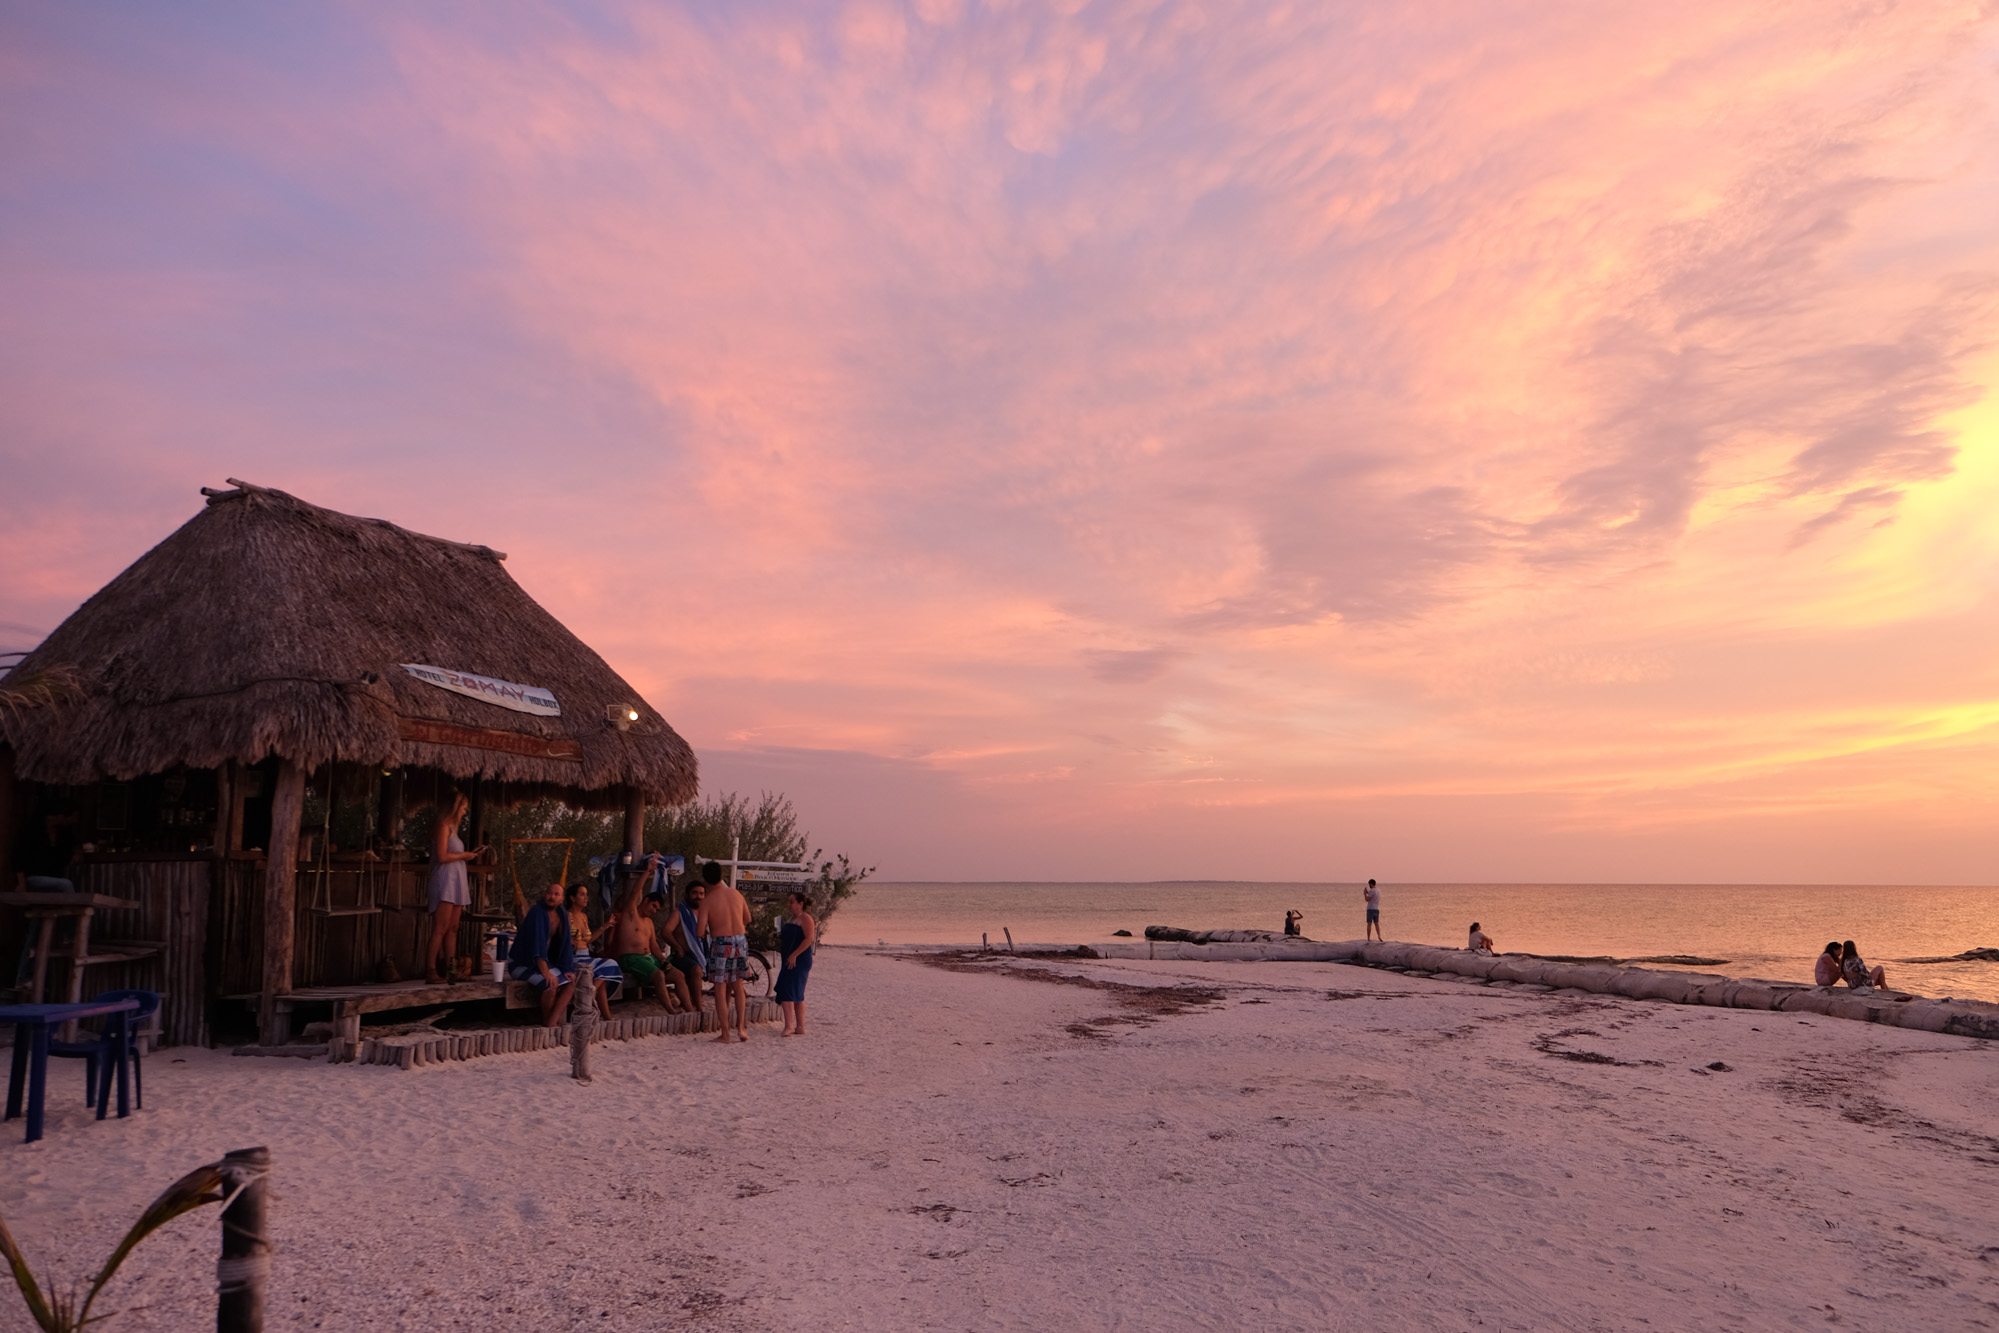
{"x":1036,"y":1144}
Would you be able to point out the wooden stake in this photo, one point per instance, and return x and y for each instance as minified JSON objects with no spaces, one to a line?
{"x":246,"y":1249}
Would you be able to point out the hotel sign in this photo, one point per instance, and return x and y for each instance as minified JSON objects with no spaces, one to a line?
{"x":521,"y":698}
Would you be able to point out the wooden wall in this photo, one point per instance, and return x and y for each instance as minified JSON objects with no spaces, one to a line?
{"x":172,"y":898}
{"x":330,"y":950}
{"x":213,"y":933}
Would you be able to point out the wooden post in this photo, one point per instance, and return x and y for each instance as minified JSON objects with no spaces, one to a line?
{"x":246,"y":1248}
{"x":10,"y":814}
{"x":44,"y":940}
{"x":280,"y":902}
{"x":225,"y":800}
{"x":478,"y":812}
{"x":635,"y":822}
{"x":79,"y":953}
{"x":389,"y":824}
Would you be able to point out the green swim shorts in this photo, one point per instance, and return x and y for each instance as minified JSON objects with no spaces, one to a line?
{"x":640,"y":967}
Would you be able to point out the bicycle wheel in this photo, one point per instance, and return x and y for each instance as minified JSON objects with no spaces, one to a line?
{"x":763,"y":977}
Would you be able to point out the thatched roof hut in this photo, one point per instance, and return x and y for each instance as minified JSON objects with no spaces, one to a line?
{"x":268,"y":650}
{"x":266,"y":625}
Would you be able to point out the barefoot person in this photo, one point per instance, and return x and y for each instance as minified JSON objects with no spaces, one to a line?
{"x":1480,"y":941}
{"x":795,"y":939}
{"x":450,"y":887}
{"x":1857,"y":973}
{"x":636,"y":947}
{"x":724,"y":920}
{"x":1372,"y":897}
{"x":684,"y":959}
{"x":543,"y":956}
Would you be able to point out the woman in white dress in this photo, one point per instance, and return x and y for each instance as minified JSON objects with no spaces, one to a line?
{"x":450,"y":886}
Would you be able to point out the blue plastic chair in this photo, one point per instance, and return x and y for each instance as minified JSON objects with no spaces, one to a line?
{"x":98,"y":1057}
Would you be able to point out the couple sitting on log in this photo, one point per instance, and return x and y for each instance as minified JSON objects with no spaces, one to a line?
{"x":1844,"y":961}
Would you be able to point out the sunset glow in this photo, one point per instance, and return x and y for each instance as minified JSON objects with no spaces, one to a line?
{"x":1076,"y":440}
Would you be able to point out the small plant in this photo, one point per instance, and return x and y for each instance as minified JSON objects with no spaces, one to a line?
{"x":58,"y":1312}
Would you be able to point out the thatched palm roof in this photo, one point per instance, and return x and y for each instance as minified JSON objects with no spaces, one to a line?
{"x":266,"y":625}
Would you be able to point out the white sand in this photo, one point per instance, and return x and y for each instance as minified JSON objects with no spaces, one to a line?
{"x":943,"y":1152}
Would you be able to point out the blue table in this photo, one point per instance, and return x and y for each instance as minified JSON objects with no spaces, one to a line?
{"x":31,"y":1053}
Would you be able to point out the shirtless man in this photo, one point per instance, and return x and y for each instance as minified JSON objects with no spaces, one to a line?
{"x":635,"y":944}
{"x":724,"y":918}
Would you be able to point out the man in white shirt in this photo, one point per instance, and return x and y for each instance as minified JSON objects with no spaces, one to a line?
{"x":1373,"y":897}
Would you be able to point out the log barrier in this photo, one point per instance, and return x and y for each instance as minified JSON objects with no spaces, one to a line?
{"x":1963,"y":1018}
{"x":416,"y":1051}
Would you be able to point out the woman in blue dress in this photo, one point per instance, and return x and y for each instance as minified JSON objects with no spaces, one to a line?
{"x":795,"y":939}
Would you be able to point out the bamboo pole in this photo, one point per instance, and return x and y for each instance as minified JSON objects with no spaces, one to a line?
{"x":246,"y":1248}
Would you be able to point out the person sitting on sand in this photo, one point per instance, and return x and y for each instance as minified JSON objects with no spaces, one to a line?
{"x":602,"y":971}
{"x":724,"y":920}
{"x":636,"y":944}
{"x":1293,"y":922}
{"x":1480,"y":941}
{"x":1858,"y":974}
{"x":543,"y":955}
{"x":1826,"y":971}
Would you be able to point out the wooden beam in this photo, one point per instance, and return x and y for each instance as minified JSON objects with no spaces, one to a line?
{"x":280,"y":900}
{"x":635,"y":822}
{"x":487,"y":738}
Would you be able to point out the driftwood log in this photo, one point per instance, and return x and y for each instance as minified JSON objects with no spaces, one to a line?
{"x":1965,"y":1018}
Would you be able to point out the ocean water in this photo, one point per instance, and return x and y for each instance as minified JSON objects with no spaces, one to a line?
{"x":1762,"y":930}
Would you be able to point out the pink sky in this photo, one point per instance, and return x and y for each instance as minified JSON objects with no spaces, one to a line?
{"x":1128,"y":440}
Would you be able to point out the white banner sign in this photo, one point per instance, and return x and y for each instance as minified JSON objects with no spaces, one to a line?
{"x":520,"y":698}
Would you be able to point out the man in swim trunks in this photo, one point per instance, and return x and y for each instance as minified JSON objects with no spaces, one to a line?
{"x":635,"y":944}
{"x":724,"y":918}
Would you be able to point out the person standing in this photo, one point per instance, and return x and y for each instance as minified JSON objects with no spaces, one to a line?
{"x":795,"y":939}
{"x":1372,"y":896}
{"x":724,"y":920}
{"x":450,"y":887}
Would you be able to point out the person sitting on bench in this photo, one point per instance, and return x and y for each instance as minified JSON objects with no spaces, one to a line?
{"x":602,"y":969}
{"x":636,"y":945}
{"x":543,"y":955}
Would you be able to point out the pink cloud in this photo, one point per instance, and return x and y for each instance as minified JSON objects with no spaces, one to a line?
{"x":1140,"y":413}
